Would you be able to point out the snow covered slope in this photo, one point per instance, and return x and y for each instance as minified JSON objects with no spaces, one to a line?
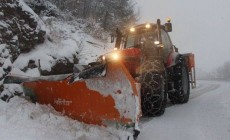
{"x":68,"y":42}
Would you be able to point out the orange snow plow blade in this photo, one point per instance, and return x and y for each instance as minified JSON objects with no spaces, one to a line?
{"x":114,"y":97}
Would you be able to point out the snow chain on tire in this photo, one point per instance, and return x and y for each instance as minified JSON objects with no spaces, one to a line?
{"x":153,"y":94}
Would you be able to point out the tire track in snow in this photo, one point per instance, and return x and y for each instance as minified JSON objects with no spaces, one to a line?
{"x":199,"y":91}
{"x":207,"y":88}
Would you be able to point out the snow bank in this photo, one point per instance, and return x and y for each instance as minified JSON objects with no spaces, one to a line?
{"x":21,"y":118}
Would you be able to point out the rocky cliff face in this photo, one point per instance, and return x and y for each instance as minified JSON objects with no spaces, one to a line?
{"x":19,"y":26}
{"x":20,"y":31}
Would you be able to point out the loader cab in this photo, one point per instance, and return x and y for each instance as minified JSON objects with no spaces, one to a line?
{"x":139,"y":35}
{"x":154,"y":34}
{"x":135,"y":36}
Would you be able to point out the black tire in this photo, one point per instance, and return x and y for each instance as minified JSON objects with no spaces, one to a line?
{"x":153,"y":94}
{"x":181,"y":83}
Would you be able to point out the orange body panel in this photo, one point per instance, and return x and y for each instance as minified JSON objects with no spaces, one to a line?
{"x":190,"y":60}
{"x":83,"y":100}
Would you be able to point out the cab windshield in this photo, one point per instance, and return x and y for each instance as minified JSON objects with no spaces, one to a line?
{"x":136,"y":40}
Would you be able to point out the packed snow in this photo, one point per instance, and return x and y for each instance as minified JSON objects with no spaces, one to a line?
{"x":23,"y":120}
{"x":205,"y":117}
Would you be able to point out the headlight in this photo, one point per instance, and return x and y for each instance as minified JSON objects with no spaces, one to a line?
{"x":103,"y":58}
{"x":111,"y":57}
{"x":132,"y":29}
{"x":156,"y":42}
{"x":115,"y":56}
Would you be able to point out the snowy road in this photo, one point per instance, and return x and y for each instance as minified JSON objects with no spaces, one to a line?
{"x":205,"y":117}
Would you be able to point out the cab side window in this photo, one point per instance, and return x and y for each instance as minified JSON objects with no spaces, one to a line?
{"x":165,"y":39}
{"x":168,"y":47}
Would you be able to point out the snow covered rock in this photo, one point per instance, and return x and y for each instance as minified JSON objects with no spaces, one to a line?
{"x":5,"y":61}
{"x":62,"y":66}
{"x":43,"y":8}
{"x":9,"y":91}
{"x":21,"y":29}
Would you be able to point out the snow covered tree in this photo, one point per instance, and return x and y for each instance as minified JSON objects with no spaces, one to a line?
{"x":223,"y":72}
{"x":109,"y":14}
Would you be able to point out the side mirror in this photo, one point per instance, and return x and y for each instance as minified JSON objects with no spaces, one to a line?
{"x":168,"y":27}
{"x":175,"y":48}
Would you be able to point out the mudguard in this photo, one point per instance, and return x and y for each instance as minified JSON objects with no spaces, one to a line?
{"x":172,"y":59}
{"x":114,"y":97}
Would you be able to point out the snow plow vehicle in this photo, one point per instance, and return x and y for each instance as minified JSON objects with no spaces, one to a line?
{"x":137,"y":78}
{"x":152,"y":60}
